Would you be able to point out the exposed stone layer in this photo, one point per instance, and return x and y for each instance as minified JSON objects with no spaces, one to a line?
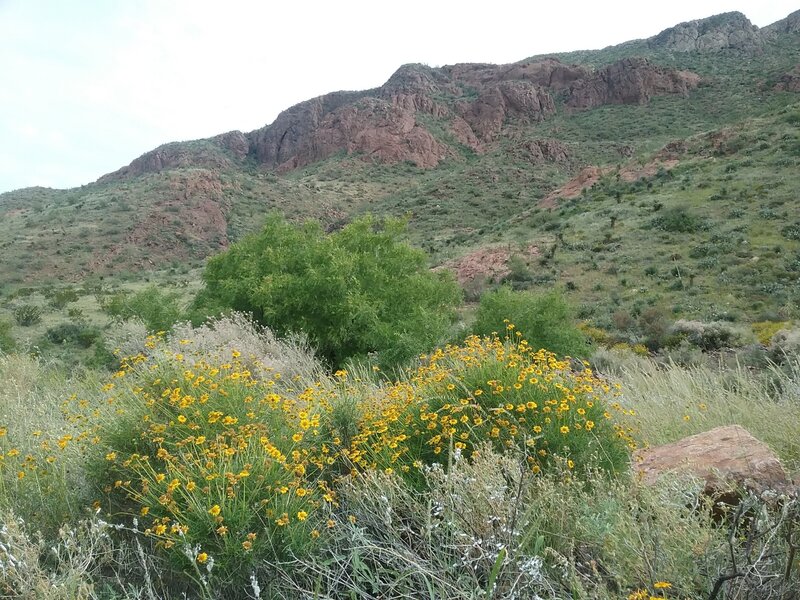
{"x":727,"y":31}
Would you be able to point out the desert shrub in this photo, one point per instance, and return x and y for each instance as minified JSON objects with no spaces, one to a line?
{"x":7,"y":342}
{"x":258,"y":347}
{"x":27,"y":315}
{"x":61,"y":297}
{"x":653,"y":325}
{"x":505,"y":393}
{"x":354,"y":292}
{"x":766,"y":330}
{"x":706,"y":336}
{"x":41,"y":470}
{"x":467,"y":538}
{"x":72,"y":561}
{"x":73,"y":334}
{"x":784,"y":345}
{"x":545,"y":320}
{"x":791,"y":232}
{"x":678,"y":220}
{"x":157,"y":309}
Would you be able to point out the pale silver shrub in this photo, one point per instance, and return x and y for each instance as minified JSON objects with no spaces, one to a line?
{"x":72,"y":560}
{"x":258,"y":347}
{"x":710,"y":336}
{"x":127,"y":338}
{"x":785,"y":345}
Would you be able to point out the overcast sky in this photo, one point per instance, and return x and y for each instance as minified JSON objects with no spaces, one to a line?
{"x":88,"y":85}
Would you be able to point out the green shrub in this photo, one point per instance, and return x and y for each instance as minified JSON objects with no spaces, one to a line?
{"x":217,"y":468}
{"x":158,"y":310}
{"x":61,"y":297}
{"x":7,"y":343}
{"x":27,"y":315}
{"x":70,"y":333}
{"x":357,"y":291}
{"x":678,"y":220}
{"x":501,"y":392}
{"x":545,"y":320}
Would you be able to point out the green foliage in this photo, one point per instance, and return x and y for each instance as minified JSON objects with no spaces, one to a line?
{"x":61,"y":297}
{"x":27,"y":315}
{"x":73,"y":334}
{"x":678,"y":220}
{"x":7,"y":343}
{"x":158,"y":310}
{"x":212,"y":475}
{"x":357,"y":291}
{"x":545,"y":320}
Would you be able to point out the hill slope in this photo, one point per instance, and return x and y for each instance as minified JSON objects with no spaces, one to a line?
{"x":566,"y":170}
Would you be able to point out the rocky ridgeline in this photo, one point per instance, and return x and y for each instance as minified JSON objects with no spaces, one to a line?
{"x":425,"y":115}
{"x":471,"y":102}
{"x":728,"y":31}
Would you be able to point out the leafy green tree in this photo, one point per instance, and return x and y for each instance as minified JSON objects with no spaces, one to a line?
{"x":354,"y":292}
{"x":545,"y":320}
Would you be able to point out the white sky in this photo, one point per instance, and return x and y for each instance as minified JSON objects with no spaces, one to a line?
{"x":86,"y":86}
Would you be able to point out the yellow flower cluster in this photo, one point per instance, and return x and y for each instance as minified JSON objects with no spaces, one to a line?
{"x":207,"y":455}
{"x":501,"y":391}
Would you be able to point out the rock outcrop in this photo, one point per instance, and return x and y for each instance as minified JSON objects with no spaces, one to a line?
{"x":725,"y":458}
{"x":789,"y":25}
{"x":474,"y":102}
{"x":522,"y":99}
{"x":789,"y":82}
{"x":221,"y":151}
{"x":543,"y":151}
{"x":727,"y":31}
{"x":629,"y":81}
{"x":418,"y":114}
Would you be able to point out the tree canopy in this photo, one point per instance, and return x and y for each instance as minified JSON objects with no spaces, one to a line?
{"x":361,"y":290}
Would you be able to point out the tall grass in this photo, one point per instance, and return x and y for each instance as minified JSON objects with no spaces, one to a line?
{"x":674,"y":401}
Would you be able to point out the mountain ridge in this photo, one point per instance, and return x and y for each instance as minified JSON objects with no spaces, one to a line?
{"x":474,"y":155}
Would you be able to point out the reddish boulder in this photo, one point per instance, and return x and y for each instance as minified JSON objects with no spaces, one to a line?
{"x":724,"y":457}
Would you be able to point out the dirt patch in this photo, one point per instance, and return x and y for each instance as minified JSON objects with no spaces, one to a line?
{"x":489,"y":263}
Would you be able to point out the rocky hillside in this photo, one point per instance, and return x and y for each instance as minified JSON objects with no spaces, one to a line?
{"x":476,"y":156}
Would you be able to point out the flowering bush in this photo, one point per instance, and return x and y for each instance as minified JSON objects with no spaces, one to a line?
{"x":499,"y":391}
{"x":225,"y":464}
{"x":215,"y":465}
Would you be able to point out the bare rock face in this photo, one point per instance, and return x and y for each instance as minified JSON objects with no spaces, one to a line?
{"x":548,"y":73}
{"x":521,"y":99}
{"x":789,"y":82}
{"x":288,"y":135}
{"x":789,"y":25}
{"x":373,"y":127}
{"x":727,"y":31}
{"x":721,"y":457}
{"x":465,"y":135}
{"x":235,"y":142}
{"x":629,"y":81}
{"x":390,"y":124}
{"x":542,"y":151}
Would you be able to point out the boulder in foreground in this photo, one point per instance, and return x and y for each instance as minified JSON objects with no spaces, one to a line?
{"x":725,"y":458}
